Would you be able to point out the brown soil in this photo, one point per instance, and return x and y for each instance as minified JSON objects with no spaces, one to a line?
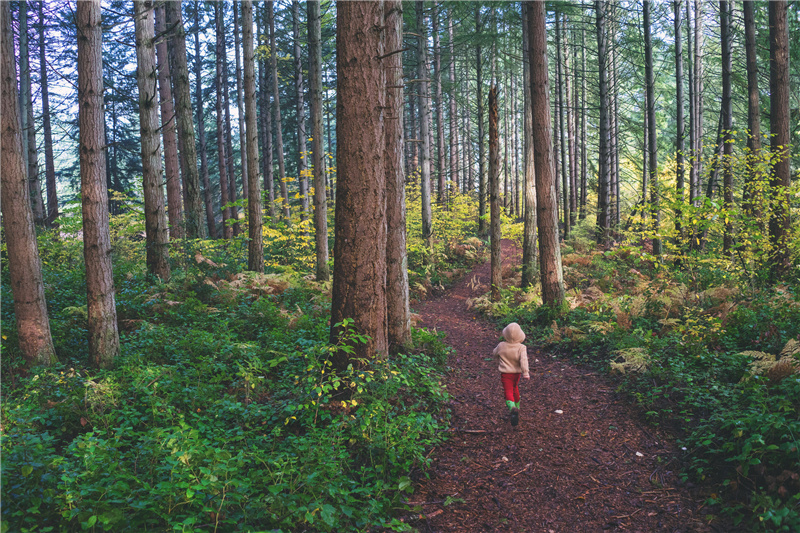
{"x":593,"y":466}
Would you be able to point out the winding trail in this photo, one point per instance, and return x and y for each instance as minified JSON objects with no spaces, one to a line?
{"x":594,"y":466}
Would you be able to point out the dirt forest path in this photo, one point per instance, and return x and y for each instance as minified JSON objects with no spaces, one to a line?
{"x":580,"y":460}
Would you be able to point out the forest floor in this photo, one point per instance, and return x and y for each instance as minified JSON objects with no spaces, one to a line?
{"x":582,"y":459}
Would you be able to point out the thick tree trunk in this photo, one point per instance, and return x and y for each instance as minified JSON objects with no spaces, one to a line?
{"x":652,"y":139}
{"x":494,"y":198}
{"x":302,"y":156}
{"x":276,"y":99}
{"x":239,"y":97}
{"x":103,"y":334}
{"x":255,"y":246}
{"x":317,"y":150}
{"x":750,"y":195}
{"x":551,"y":274}
{"x":193,"y":214}
{"x":49,"y":160}
{"x":397,"y":300}
{"x":679,"y":121}
{"x":603,"y":185}
{"x":359,"y":277}
{"x":423,"y":74}
{"x":266,"y":126}
{"x":453,"y":128}
{"x":24,"y":266}
{"x":155,"y":219}
{"x":437,"y":76}
{"x":483,"y":227}
{"x":727,"y":123}
{"x":201,"y":128}
{"x":172,"y":169}
{"x":529,"y":258}
{"x":779,"y":222}
{"x":222,"y":155}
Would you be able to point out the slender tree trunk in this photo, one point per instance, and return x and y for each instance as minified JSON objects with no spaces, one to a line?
{"x":228,"y":130}
{"x":424,"y":130}
{"x":359,"y":277}
{"x":103,"y":333}
{"x":515,"y":166}
{"x":437,"y":76}
{"x":613,"y":170}
{"x":483,"y":228}
{"x":779,"y":222}
{"x":155,"y":219}
{"x":397,"y":299}
{"x":239,"y":103}
{"x":698,"y":95}
{"x":266,"y":124}
{"x":195,"y":229}
{"x":470,"y":181}
{"x":255,"y":246}
{"x":562,"y":76}
{"x":494,"y":198}
{"x":529,"y":258}
{"x":172,"y":169}
{"x":302,"y":167}
{"x":692,"y":106}
{"x":655,"y":193}
{"x":679,"y":121}
{"x":572,"y":114}
{"x":277,"y":109}
{"x":201,"y":129}
{"x":750,"y":195}
{"x":24,"y":266}
{"x":49,"y":160}
{"x":317,"y":151}
{"x":453,"y":110}
{"x":727,"y":123}
{"x":603,"y":185}
{"x":584,"y":137}
{"x":222,"y":156}
{"x":29,"y":126}
{"x":551,"y":274}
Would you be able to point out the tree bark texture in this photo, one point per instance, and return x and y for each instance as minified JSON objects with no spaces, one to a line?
{"x":228,"y":130}
{"x":680,"y":134}
{"x":239,"y":98}
{"x":494,"y":196}
{"x":255,"y":244}
{"x":453,"y":128}
{"x":222,"y":155}
{"x":652,"y":139}
{"x":317,"y":150}
{"x":482,"y":223}
{"x":201,"y":128}
{"x":697,"y":149}
{"x":753,"y":107}
{"x":49,"y":160}
{"x":437,"y":77}
{"x":24,"y":267}
{"x":562,"y":142}
{"x":397,"y":298}
{"x":171,"y":167}
{"x":529,"y":258}
{"x":266,"y":122}
{"x":423,"y":74}
{"x":727,"y":123}
{"x":276,"y":100}
{"x":183,"y":109}
{"x":155,"y":219}
{"x":102,"y":311}
{"x":302,"y":156}
{"x":779,"y":222}
{"x":603,"y":185}
{"x":551,"y":274}
{"x":359,"y":277}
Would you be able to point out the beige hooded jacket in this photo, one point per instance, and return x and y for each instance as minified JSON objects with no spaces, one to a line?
{"x":512,"y":355}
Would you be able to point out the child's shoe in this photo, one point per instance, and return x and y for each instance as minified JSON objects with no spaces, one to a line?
{"x":514,"y":416}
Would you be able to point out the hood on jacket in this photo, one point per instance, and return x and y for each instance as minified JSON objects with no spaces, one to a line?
{"x":512,"y":333}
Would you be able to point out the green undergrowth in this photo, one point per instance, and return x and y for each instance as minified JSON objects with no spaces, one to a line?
{"x":222,"y":412}
{"x":707,"y":352}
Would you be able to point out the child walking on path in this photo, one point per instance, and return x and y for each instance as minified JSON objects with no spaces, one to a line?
{"x":512,"y":357}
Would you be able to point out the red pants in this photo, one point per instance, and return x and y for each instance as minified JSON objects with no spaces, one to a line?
{"x":511,"y":386}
